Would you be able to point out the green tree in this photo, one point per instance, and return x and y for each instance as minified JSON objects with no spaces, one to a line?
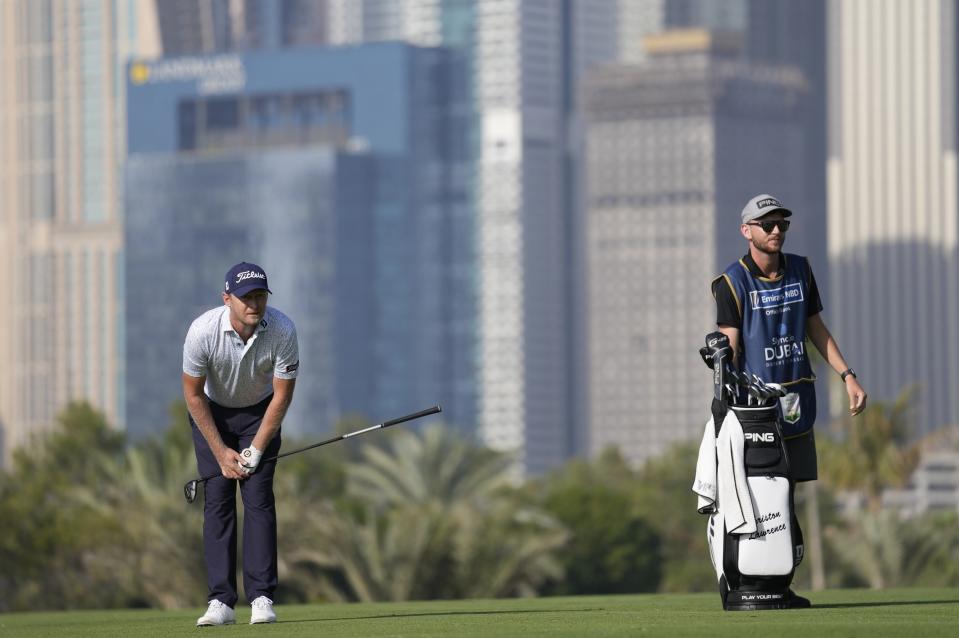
{"x":613,"y":549}
{"x":434,"y":466}
{"x":872,"y":451}
{"x":932,"y":551}
{"x":49,"y":539}
{"x":425,"y":516}
{"x":883,"y":549}
{"x":664,"y":498}
{"x":157,"y":556}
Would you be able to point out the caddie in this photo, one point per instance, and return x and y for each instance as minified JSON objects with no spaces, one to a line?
{"x":768,"y":303}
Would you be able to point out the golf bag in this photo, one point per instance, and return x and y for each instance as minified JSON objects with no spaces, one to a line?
{"x":755,"y":568}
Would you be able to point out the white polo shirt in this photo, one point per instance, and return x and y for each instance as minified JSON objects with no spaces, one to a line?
{"x":239,"y":375}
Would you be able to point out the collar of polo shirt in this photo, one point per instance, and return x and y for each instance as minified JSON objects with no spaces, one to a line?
{"x":226,"y":326}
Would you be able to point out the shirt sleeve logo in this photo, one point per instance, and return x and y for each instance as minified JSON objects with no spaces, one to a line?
{"x":292,"y":367}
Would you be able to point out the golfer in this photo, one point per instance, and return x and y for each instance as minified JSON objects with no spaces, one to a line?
{"x":240,"y":363}
{"x":768,"y":303}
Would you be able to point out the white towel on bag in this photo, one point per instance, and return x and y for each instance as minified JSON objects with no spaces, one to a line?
{"x":720,"y":482}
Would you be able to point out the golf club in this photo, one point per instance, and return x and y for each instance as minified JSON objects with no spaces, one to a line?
{"x":189,"y":490}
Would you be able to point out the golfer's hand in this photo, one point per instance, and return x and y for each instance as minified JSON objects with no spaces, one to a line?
{"x":249,"y":459}
{"x":857,"y":396}
{"x":229,"y":461}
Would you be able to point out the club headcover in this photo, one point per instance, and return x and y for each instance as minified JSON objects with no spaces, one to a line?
{"x":707,"y":357}
{"x":717,"y":348}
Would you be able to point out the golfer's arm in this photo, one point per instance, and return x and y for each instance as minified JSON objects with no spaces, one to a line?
{"x":199,"y":407}
{"x":282,"y":396}
{"x":823,"y":340}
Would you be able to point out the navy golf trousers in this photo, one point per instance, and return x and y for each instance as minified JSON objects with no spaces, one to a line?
{"x":237,"y":427}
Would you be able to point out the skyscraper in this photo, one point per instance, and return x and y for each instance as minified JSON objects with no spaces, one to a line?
{"x":218,"y":26}
{"x":675,"y":147}
{"x":892,"y":192}
{"x":793,"y":34}
{"x":334,"y":169}
{"x":523,"y":63}
{"x":61,"y":139}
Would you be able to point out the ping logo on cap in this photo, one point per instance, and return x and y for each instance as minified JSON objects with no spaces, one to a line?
{"x":769,"y":201}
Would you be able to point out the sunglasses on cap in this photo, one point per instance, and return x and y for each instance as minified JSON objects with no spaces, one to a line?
{"x":768,"y":224}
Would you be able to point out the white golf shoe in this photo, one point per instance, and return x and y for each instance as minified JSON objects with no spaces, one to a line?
{"x":262,"y":611}
{"x":216,"y":614}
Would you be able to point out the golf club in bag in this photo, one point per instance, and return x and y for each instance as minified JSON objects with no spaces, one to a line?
{"x":189,"y":490}
{"x":754,"y":569}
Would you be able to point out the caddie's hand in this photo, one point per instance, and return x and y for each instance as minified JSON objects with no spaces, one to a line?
{"x":857,"y":396}
{"x":249,"y":459}
{"x":229,"y":461}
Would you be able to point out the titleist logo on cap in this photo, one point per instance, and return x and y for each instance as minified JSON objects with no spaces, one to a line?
{"x":245,"y":277}
{"x":249,"y":274}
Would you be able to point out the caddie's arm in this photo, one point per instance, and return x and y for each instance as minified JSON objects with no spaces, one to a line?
{"x":733,"y":334}
{"x":823,"y":340}
{"x":728,"y":314}
{"x":196,"y":403}
{"x":282,"y":396}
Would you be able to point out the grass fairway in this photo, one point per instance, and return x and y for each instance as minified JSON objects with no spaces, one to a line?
{"x":840,"y":613}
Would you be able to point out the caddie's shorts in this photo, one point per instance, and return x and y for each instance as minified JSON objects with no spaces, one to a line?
{"x":802,"y":456}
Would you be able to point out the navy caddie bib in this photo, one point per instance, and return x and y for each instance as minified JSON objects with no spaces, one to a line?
{"x":773,"y":334}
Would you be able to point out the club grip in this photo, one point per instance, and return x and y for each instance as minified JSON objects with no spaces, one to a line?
{"x":415,"y":415}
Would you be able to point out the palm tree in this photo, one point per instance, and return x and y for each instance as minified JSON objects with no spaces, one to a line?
{"x":887,"y":550}
{"x":871,"y":544}
{"x":873,"y":452}
{"x":426,"y":516}
{"x":419,"y":468}
{"x":362,"y":555}
{"x":158,"y":559}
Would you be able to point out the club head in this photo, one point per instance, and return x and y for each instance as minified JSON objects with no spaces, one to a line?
{"x":739,"y":378}
{"x":189,"y":491}
{"x":776,"y":389}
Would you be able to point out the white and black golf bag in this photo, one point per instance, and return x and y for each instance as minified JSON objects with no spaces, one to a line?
{"x":754,"y":569}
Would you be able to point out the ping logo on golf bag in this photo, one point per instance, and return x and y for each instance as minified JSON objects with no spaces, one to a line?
{"x":760,"y":437}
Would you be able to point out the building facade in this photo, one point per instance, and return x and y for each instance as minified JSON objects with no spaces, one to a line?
{"x":934,"y":486}
{"x":192,"y":27}
{"x":61,"y":140}
{"x":332,"y":168}
{"x":523,"y":60}
{"x":892,"y":196}
{"x":674,"y":149}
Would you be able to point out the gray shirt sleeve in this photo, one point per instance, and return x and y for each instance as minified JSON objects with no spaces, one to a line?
{"x":196,"y":355}
{"x":287,"y":365}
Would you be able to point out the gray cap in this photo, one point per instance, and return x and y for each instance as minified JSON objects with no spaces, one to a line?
{"x":763,"y":205}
